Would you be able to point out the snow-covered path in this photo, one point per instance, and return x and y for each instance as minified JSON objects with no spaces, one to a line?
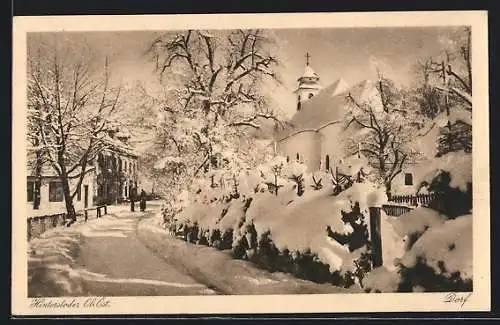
{"x":126,"y":254}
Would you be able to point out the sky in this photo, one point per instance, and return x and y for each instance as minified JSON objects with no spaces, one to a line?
{"x":352,"y":54}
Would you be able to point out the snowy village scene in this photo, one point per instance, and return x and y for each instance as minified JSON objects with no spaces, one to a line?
{"x":247,"y":161}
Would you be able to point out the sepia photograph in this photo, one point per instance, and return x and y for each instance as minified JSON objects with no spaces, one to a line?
{"x":234,"y":156}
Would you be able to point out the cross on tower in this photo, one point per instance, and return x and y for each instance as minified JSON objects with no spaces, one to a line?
{"x":307,"y":58}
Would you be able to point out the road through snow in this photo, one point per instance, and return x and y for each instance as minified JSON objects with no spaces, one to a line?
{"x":127,"y":254}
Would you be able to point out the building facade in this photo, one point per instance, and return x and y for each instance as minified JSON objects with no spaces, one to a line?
{"x":111,"y":179}
{"x":116,"y":172}
{"x":317,"y":136}
{"x":50,"y":195}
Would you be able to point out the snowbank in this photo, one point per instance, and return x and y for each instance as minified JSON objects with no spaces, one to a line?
{"x":449,"y":243}
{"x":458,"y":164}
{"x":458,"y":114}
{"x":393,"y":244}
{"x":49,"y":264}
{"x":416,"y":221}
{"x":381,"y":280}
{"x":366,"y":194}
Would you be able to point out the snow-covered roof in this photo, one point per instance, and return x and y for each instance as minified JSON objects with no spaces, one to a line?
{"x":309,"y":73}
{"x":120,"y":147}
{"x":326,"y":106}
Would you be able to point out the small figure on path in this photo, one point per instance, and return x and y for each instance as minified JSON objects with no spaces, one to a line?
{"x":133,"y":194}
{"x":143,"y":201}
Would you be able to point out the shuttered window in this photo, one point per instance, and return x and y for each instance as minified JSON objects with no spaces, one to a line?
{"x":408,"y":179}
{"x":56,"y":193}
{"x":31,"y":191}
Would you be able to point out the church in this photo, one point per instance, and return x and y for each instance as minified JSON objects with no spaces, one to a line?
{"x":317,"y":135}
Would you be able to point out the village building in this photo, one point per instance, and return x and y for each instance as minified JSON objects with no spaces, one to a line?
{"x":111,"y":178}
{"x":116,"y":171}
{"x":317,"y":135}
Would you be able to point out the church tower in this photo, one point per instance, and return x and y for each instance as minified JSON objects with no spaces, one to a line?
{"x":308,"y":84}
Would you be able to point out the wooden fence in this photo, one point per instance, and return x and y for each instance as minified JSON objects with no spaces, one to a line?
{"x":406,"y":203}
{"x":422,"y":199}
{"x":39,"y":224}
{"x":395,"y":210}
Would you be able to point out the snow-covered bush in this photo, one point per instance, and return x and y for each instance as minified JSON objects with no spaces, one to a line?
{"x":450,"y":176}
{"x":381,"y":279}
{"x":276,"y":173}
{"x":295,"y":171}
{"x":317,"y":185}
{"x":441,"y":259}
{"x":356,"y":238}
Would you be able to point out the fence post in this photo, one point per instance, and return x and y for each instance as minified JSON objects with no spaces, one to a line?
{"x":86,"y":213}
{"x":29,"y":229}
{"x":105,"y":209}
{"x":375,"y":236}
{"x":98,"y":212}
{"x":41,"y":220}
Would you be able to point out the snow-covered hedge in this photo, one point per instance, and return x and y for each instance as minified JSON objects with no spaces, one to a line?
{"x":287,"y":232}
{"x":300,"y":230}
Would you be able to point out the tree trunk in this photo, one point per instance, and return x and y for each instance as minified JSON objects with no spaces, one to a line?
{"x":68,"y":200}
{"x":38,"y":182}
{"x":276,"y":184}
{"x":38,"y":178}
{"x":388,"y":187}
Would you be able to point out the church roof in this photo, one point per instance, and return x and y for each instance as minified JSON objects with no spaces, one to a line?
{"x":326,"y":106}
{"x":309,"y":73}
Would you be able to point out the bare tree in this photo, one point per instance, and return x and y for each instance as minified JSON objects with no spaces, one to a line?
{"x":389,"y":121}
{"x":36,"y":157}
{"x":70,"y":104}
{"x":216,"y":80}
{"x":454,"y":70}
{"x":452,"y":76}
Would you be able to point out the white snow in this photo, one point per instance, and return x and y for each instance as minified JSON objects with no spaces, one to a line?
{"x":450,"y":242}
{"x":382,"y":279}
{"x":351,"y":165}
{"x":162,"y":163}
{"x":367,"y":194}
{"x":458,"y":164}
{"x":99,"y":277}
{"x":460,"y":114}
{"x":416,"y":221}
{"x":393,"y":245}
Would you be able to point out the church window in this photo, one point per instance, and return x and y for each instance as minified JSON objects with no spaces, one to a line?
{"x":298,"y":105}
{"x":311,"y":95}
{"x":327,"y":163}
{"x":298,"y":157}
{"x":287,"y":159}
{"x":408,"y":179}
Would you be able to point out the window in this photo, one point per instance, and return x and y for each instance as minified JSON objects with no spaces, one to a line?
{"x":327,"y":163}
{"x":287,"y":159}
{"x":297,"y":157}
{"x":125,"y":166}
{"x":56,"y":192}
{"x":79,"y":193}
{"x":31,"y":191}
{"x":408,"y":179}
{"x":298,"y":105}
